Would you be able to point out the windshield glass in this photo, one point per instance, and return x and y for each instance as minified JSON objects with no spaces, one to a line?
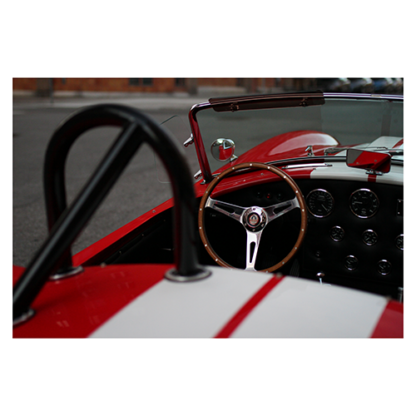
{"x":348,"y":121}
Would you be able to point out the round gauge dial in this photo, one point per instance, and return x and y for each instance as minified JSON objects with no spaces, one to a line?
{"x":364,"y":203}
{"x":351,"y":262}
{"x":399,"y":242}
{"x":384,"y":267}
{"x":337,"y":233}
{"x":320,"y":203}
{"x":370,"y":237}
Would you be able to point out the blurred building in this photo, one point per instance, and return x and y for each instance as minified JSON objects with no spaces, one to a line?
{"x":204,"y":86}
{"x":44,"y":86}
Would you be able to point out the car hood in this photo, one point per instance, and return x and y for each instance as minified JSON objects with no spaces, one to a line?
{"x":288,"y":145}
{"x":299,"y":144}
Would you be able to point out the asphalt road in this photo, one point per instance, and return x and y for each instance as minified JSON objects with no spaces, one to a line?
{"x":138,"y":190}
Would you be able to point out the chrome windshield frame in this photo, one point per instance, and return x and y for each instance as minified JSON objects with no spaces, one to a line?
{"x":207,"y":175}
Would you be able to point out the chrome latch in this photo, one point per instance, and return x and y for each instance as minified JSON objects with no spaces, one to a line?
{"x":189,"y":141}
{"x":309,"y":149}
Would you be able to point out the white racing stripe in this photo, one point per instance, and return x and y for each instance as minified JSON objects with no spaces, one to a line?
{"x":179,"y":310}
{"x":386,"y":141}
{"x":294,"y":308}
{"x":340,"y":171}
{"x":298,"y":308}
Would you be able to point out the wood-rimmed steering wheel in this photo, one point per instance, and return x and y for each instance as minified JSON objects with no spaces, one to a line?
{"x":254,"y":219}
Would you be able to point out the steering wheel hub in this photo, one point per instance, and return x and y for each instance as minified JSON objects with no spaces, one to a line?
{"x":254,"y":219}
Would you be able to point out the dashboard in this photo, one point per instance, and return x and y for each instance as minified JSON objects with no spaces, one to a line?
{"x":354,"y":236}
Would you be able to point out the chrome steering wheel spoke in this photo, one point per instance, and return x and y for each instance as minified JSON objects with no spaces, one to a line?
{"x":230,"y":210}
{"x":253,"y":242}
{"x":282,"y":207}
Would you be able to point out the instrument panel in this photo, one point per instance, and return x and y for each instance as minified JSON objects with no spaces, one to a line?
{"x":354,"y":236}
{"x":364,"y":204}
{"x":355,"y":232}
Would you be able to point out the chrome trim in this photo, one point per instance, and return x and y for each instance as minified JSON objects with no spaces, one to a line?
{"x":363,"y":96}
{"x":200,"y":105}
{"x":204,"y":182}
{"x":320,"y":276}
{"x":71,"y":272}
{"x":189,"y":141}
{"x":370,"y":191}
{"x":319,"y":190}
{"x":234,"y":211}
{"x":373,"y":172}
{"x":253,"y":237}
{"x":307,"y":160}
{"x":173,"y":276}
{"x":370,"y":232}
{"x":309,"y":149}
{"x":333,"y":150}
{"x":306,"y":165}
{"x":259,"y":215}
{"x":23,"y":318}
{"x":287,"y":205}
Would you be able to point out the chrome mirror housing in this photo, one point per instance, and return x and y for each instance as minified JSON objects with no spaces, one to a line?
{"x":375,"y":162}
{"x":223,"y":150}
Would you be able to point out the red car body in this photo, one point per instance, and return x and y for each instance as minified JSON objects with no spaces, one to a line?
{"x":119,"y":298}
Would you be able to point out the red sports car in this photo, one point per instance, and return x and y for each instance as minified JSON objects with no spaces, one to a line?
{"x":293,"y":227}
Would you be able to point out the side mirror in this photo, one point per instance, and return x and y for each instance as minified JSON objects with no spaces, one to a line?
{"x":223,"y":150}
{"x":375,"y":162}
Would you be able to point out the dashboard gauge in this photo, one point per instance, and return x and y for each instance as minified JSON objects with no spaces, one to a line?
{"x":399,"y":242}
{"x":384,"y":267}
{"x":320,"y":203}
{"x":351,"y":262}
{"x":364,"y":203}
{"x":370,"y":237}
{"x":337,"y":233}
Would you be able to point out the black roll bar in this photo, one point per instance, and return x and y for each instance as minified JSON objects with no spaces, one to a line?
{"x":65,"y":223}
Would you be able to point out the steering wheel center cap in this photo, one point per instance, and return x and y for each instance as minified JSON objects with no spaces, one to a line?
{"x":254,"y":219}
